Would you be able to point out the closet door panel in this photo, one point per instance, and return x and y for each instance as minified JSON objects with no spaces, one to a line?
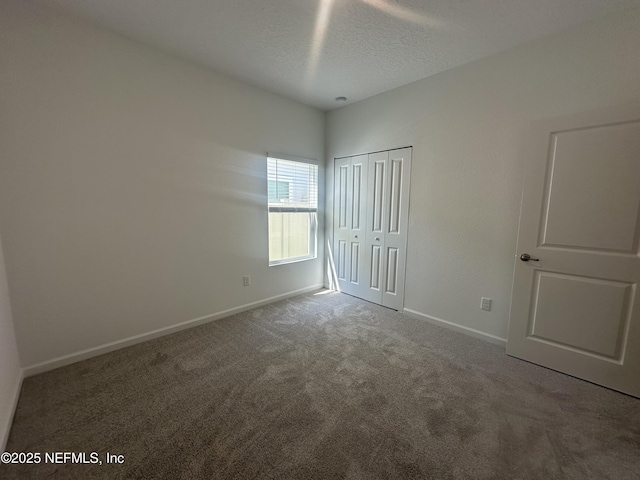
{"x":376,"y":225}
{"x":358,"y":273}
{"x":341,"y":222}
{"x":395,"y":235}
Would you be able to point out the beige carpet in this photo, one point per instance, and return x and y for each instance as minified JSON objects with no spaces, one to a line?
{"x":323,"y":386}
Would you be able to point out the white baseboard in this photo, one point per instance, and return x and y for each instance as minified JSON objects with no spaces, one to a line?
{"x":6,"y":428}
{"x":487,"y":337}
{"x":143,"y":337}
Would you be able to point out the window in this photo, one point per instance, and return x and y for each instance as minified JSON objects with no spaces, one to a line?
{"x":293,"y":208}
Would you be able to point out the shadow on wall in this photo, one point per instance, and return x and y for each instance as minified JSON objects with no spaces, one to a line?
{"x":331,"y":269}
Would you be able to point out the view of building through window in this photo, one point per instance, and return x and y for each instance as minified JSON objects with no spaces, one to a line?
{"x":293,"y":209}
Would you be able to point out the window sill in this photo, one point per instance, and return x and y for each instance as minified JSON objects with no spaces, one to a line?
{"x":275,"y":263}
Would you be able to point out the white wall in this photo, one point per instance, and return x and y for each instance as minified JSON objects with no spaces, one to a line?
{"x":132,"y":185}
{"x":10,"y":371}
{"x":469,"y":129}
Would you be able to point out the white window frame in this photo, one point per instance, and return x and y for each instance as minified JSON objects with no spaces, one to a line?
{"x":313,"y":221}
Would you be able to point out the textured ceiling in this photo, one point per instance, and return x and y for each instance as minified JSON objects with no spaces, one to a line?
{"x":316,"y":50}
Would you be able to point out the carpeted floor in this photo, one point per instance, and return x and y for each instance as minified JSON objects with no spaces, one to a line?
{"x":323,"y":386}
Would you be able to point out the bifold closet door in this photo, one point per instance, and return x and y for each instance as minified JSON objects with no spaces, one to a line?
{"x":396,"y":225}
{"x":387,"y":222}
{"x":349,"y":223}
{"x":371,"y":208}
{"x":377,"y":194}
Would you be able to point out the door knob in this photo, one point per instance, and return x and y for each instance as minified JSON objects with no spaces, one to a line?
{"x":525,"y":257}
{"x":377,"y":239}
{"x":355,"y":236}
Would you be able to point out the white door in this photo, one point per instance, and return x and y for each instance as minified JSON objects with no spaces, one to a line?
{"x":575,"y":303}
{"x":349,"y":218}
{"x":341,"y":226}
{"x":377,"y":198}
{"x":396,"y":227}
{"x":371,"y":208}
{"x":357,"y":218}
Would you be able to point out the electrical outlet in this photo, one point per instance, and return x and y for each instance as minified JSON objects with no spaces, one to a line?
{"x":485,"y":304}
{"x":246,"y":280}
